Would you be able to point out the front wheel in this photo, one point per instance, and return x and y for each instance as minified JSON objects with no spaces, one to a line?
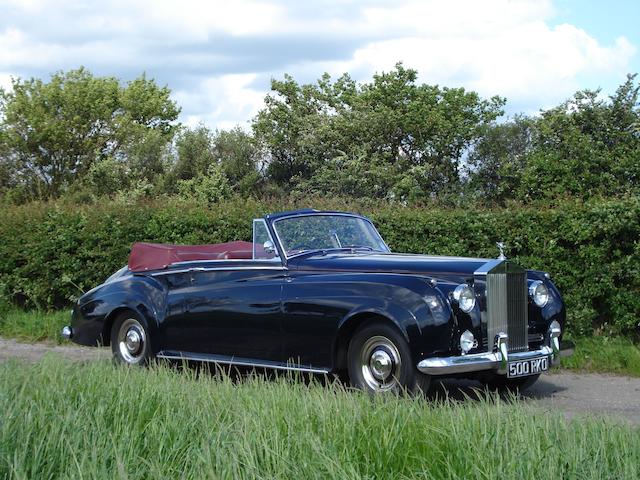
{"x":379,"y":360}
{"x":130,"y":341}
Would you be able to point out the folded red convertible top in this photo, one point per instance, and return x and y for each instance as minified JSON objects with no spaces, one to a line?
{"x":153,"y":256}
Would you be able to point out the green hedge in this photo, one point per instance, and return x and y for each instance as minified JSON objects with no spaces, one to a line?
{"x":49,"y":253}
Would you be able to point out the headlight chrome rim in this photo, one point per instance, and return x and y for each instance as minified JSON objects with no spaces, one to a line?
{"x":464,"y":297}
{"x":539,"y":293}
{"x":467,"y":342}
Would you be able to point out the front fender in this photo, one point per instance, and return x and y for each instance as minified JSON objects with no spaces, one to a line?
{"x":418,"y":309}
{"x":95,"y":311}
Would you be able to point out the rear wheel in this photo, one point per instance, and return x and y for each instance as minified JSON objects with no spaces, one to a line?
{"x":501,"y":382}
{"x":379,"y":360}
{"x":130,"y":340}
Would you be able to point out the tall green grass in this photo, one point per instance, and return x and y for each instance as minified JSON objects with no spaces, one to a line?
{"x":606,"y":355}
{"x":63,"y":420}
{"x":33,"y":325}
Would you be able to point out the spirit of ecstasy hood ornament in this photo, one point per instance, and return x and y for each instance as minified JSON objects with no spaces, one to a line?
{"x":500,"y":246}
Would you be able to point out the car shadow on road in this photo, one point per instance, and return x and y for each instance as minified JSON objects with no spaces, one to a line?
{"x":464,"y":390}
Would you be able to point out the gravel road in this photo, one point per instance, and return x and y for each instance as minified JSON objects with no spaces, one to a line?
{"x":582,"y":394}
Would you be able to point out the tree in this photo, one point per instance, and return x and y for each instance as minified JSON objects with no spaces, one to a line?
{"x":55,"y":131}
{"x":239,"y":158}
{"x":587,"y":146}
{"x":234,"y":151}
{"x":194,"y":148}
{"x":497,"y":162}
{"x":403,"y":127}
{"x":209,"y":188}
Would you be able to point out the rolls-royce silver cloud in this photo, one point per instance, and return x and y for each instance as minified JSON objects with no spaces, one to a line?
{"x":321,"y":291}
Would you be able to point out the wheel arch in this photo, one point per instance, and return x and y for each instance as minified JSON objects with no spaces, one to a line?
{"x":116,"y":312}
{"x":351,"y":325}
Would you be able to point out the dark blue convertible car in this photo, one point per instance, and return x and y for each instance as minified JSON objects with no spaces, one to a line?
{"x":321,"y":292}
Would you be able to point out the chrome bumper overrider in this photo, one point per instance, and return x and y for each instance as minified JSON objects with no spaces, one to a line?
{"x":496,"y":361}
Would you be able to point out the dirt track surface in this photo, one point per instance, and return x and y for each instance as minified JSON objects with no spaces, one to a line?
{"x":33,"y":352}
{"x":574,"y":394}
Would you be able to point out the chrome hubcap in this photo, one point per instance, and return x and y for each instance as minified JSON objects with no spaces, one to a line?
{"x":131,"y":341}
{"x":380,"y":362}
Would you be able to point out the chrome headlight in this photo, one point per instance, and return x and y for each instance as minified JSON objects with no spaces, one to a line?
{"x":539,"y":293}
{"x":463,"y":295}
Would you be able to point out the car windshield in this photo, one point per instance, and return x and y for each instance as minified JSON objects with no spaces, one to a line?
{"x":305,"y":233}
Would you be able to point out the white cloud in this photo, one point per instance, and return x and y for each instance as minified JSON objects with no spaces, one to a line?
{"x":496,"y":48}
{"x":211,"y":52}
{"x":223,"y":102}
{"x":5,"y":80}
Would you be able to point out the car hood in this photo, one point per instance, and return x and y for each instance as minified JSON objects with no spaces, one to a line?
{"x":429,"y":265}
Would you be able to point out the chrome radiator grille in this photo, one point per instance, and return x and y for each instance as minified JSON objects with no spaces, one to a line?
{"x":507,"y":306}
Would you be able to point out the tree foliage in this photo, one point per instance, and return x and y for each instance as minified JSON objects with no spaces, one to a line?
{"x":52,"y":132}
{"x":408,"y":136}
{"x":391,"y":138}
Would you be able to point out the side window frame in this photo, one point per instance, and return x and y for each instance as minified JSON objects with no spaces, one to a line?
{"x":276,"y":257}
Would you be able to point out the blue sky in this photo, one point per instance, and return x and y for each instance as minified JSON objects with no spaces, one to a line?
{"x":218,"y":57}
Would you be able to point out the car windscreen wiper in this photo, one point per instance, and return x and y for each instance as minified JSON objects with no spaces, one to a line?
{"x":314,"y":251}
{"x":359,"y":247}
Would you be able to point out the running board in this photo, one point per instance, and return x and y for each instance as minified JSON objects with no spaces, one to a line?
{"x":237,"y":361}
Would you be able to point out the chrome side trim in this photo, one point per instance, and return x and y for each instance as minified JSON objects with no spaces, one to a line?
{"x":217,"y":269}
{"x":241,"y":362}
{"x":228,"y":260}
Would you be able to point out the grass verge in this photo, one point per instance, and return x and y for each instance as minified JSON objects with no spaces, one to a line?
{"x":33,"y":325}
{"x":94,"y":420}
{"x":593,"y":354}
{"x":606,"y":355}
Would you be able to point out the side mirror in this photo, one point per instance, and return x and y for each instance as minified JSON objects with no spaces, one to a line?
{"x":269,"y":248}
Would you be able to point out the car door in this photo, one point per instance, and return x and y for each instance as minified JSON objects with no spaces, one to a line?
{"x":231,"y":309}
{"x":313,"y":306}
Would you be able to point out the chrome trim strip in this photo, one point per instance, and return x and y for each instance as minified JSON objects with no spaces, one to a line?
{"x":241,"y":362}
{"x":223,"y":260}
{"x":218,"y":269}
{"x":487,"y":267}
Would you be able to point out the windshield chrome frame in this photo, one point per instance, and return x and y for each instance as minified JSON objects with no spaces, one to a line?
{"x":322,"y":214}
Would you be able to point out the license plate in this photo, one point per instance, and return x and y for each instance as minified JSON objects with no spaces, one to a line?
{"x":522,"y":368}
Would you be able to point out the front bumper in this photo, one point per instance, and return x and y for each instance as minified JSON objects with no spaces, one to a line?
{"x":494,"y":361}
